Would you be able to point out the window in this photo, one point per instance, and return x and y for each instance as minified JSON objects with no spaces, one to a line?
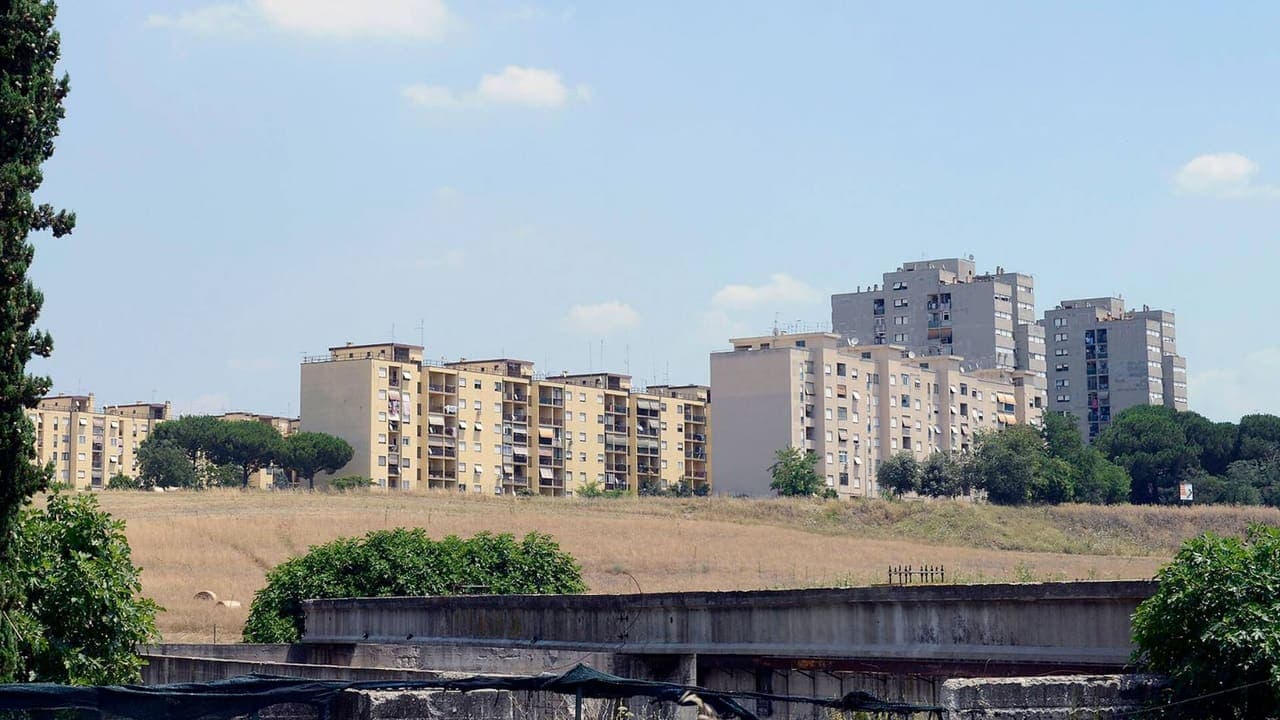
{"x":1060,"y":337}
{"x":1060,"y":367}
{"x":899,"y":286}
{"x":382,"y":438}
{"x":462,"y":404}
{"x":1061,"y":383}
{"x":478,"y":385}
{"x":382,"y":372}
{"x":382,"y":394}
{"x":901,"y":319}
{"x":900,"y":302}
{"x":900,"y":337}
{"x":582,"y":397}
{"x":1060,"y":352}
{"x":382,"y":461}
{"x":1059,"y":322}
{"x":841,"y":370}
{"x":582,"y":437}
{"x":830,"y":438}
{"x":826,"y":369}
{"x":842,"y":413}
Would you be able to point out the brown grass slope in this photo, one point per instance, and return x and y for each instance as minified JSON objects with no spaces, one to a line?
{"x":225,"y":541}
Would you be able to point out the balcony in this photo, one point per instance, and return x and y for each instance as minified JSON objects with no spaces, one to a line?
{"x":616,"y":409}
{"x":517,"y":417}
{"x":619,"y":428}
{"x":551,"y":401}
{"x":695,"y":455}
{"x":695,"y":418}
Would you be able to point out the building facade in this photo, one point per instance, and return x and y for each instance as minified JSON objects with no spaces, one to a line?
{"x":88,"y":446}
{"x":1104,"y":359}
{"x":853,"y":406}
{"x":945,"y":308}
{"x":496,"y":427}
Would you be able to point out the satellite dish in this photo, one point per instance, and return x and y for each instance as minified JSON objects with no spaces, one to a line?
{"x":851,"y":341}
{"x":911,"y":354}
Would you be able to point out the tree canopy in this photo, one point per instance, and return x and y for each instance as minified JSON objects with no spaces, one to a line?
{"x":81,"y":615}
{"x":407,"y":562}
{"x":940,"y":476}
{"x":31,"y":97}
{"x":308,"y":453}
{"x":1213,"y":627}
{"x":795,"y":473}
{"x":899,"y":474}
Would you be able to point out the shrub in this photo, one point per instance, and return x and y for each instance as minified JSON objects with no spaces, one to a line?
{"x":350,"y":482}
{"x":795,"y":473}
{"x":81,"y":614}
{"x":407,"y":562}
{"x":1213,"y":626}
{"x":120,"y":481}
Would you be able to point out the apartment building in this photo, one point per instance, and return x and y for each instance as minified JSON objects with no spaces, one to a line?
{"x":852,"y":405}
{"x":945,"y":307}
{"x":1105,"y":359}
{"x":496,"y":427}
{"x":88,"y":446}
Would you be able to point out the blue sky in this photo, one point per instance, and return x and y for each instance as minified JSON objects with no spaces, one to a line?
{"x":257,"y":180}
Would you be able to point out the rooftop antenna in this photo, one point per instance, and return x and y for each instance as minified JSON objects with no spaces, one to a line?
{"x":393,"y":332}
{"x":422,"y":332}
{"x":776,"y":332}
{"x":626,"y":358}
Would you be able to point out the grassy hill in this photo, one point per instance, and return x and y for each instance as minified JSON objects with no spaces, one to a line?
{"x":225,"y":541}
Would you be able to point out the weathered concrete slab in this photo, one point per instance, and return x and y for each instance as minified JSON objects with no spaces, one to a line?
{"x":1047,"y":698}
{"x":1079,"y":624}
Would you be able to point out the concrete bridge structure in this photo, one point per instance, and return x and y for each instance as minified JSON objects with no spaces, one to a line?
{"x":955,"y":630}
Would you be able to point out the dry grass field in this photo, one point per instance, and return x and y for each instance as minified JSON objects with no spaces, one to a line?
{"x":225,"y":541}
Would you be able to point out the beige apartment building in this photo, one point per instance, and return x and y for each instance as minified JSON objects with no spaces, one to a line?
{"x":496,"y":427}
{"x":1106,"y":359}
{"x":88,"y":446}
{"x":853,"y":406}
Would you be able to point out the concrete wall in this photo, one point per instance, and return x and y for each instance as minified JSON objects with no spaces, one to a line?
{"x":1071,"y":625}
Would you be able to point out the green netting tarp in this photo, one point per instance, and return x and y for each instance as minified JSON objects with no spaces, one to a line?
{"x":250,"y":693}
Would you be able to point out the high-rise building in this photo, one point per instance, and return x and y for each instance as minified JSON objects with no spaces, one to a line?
{"x":496,"y":427}
{"x":853,"y":406}
{"x":944,"y":307}
{"x":1104,"y":359}
{"x":88,"y":446}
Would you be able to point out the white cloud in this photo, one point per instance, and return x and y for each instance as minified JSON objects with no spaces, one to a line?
{"x":514,"y":86}
{"x":208,"y":20}
{"x":418,"y":19}
{"x":1247,"y":387}
{"x":1222,"y":175}
{"x":601,"y":318}
{"x":782,"y":289}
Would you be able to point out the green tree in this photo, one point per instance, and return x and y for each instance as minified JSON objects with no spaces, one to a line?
{"x":1213,"y":443}
{"x":248,"y":444}
{"x":31,"y":97}
{"x":350,"y":482}
{"x":1262,"y":475}
{"x":899,"y":474}
{"x":82,"y":616}
{"x":1149,"y":443}
{"x":940,"y":476}
{"x":406,"y":562}
{"x":308,"y":453}
{"x":1004,"y":463}
{"x":1061,"y":435}
{"x":1098,"y":480}
{"x":163,"y":463}
{"x":1213,"y":627}
{"x":1258,"y":437}
{"x":795,"y":473}
{"x":195,"y":434}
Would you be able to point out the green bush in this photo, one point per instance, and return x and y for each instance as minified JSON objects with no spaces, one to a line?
{"x":350,"y":482}
{"x":1213,"y":627}
{"x":120,"y":481}
{"x":81,"y":614}
{"x":407,"y":562}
